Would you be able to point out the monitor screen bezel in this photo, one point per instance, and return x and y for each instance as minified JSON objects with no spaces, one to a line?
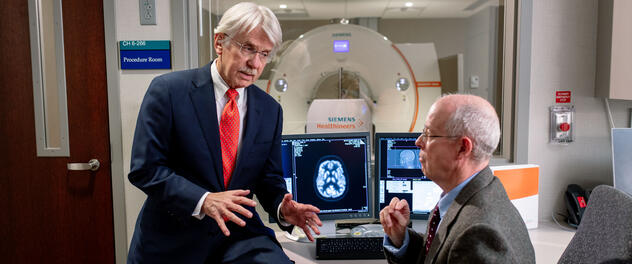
{"x":377,"y":169}
{"x":367,"y":137}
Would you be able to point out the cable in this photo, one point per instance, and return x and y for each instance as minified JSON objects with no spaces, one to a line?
{"x":609,"y":113}
{"x":558,"y":224}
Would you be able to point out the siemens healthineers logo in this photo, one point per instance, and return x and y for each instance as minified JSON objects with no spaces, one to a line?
{"x":341,"y":122}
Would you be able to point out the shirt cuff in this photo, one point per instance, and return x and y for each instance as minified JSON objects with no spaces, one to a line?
{"x":397,"y":252}
{"x":281,"y":219}
{"x":197,"y":213}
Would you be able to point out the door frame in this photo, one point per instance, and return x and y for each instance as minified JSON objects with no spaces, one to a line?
{"x":116,"y":136}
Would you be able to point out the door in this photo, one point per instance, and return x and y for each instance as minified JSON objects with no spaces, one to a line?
{"x":50,"y":214}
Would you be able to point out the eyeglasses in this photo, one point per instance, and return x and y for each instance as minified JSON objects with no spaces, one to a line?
{"x":424,"y":135}
{"x":250,"y":51}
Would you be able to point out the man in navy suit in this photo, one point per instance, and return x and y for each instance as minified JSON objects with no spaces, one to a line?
{"x":206,"y":141}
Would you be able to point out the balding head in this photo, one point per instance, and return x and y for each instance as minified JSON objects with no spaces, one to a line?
{"x":473,"y":117}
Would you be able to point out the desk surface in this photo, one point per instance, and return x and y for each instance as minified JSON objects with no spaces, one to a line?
{"x":549,"y":242}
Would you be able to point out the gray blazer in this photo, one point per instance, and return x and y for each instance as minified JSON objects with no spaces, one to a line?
{"x":481,"y":226}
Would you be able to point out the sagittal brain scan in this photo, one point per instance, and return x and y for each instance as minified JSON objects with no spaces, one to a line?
{"x":407,"y":159}
{"x":331,"y":179}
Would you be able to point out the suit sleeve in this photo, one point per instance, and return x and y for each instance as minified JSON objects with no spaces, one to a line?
{"x":481,"y":243}
{"x":150,"y":169}
{"x":415,"y":252}
{"x":271,"y":186}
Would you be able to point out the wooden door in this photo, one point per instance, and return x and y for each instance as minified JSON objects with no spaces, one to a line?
{"x":50,"y":214}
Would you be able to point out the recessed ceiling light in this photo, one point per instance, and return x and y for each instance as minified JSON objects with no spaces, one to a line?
{"x":283,"y":6}
{"x":409,"y":4}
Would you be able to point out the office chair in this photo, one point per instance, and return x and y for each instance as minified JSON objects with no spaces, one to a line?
{"x":605,"y":232}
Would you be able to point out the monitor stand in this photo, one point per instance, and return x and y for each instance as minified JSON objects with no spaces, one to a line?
{"x":327,"y":230}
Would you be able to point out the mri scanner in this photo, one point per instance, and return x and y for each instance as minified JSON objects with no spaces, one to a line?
{"x":339,"y":75}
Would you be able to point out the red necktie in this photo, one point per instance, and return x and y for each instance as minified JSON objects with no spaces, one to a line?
{"x":229,"y":134}
{"x":432,"y":227}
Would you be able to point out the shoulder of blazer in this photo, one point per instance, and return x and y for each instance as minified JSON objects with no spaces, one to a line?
{"x":480,"y":181}
{"x":261,"y":98}
{"x":198,"y":77}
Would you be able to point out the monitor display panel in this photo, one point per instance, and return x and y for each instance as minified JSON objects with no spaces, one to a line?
{"x":398,"y":174}
{"x":329,"y":171}
{"x":621,"y":159}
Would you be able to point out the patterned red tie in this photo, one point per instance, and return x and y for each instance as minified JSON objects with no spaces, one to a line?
{"x":229,"y":134}
{"x":432,"y":227}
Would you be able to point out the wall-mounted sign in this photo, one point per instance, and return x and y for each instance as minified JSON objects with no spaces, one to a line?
{"x":145,"y":54}
{"x":562,"y":97}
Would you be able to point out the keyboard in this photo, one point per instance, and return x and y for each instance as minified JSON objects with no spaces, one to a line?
{"x":350,"y":248}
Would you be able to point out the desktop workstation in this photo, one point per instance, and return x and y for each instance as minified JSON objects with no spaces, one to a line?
{"x":354,"y":191}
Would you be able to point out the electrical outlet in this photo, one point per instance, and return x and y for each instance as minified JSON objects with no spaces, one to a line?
{"x":474,"y":81}
{"x":147,"y":12}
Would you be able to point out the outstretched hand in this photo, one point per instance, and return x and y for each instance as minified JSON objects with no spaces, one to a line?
{"x":221,"y":205}
{"x":394,"y":218}
{"x":301,"y":215}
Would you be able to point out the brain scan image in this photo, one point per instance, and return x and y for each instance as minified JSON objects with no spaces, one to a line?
{"x":331,"y":179}
{"x":407,"y":159}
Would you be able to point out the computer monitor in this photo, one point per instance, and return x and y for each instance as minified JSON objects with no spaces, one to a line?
{"x":329,"y":171}
{"x":621,"y":153}
{"x":398,"y":174}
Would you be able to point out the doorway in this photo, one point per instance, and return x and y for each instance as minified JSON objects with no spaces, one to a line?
{"x":52,"y":214}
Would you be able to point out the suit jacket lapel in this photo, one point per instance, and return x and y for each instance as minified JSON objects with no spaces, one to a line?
{"x":481,"y":180}
{"x":250,"y":128}
{"x":203,"y":98}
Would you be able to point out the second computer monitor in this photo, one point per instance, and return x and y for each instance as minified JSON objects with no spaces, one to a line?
{"x":329,"y":171}
{"x":398,"y":174}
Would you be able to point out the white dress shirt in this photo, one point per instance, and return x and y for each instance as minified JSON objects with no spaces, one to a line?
{"x":221,"y":99}
{"x":220,"y":87}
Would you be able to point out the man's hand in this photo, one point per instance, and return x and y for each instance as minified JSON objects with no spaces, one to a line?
{"x":394,"y":219}
{"x":301,"y":215}
{"x":221,"y":205}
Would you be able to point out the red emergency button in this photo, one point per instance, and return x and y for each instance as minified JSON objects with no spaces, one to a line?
{"x":565,"y":127}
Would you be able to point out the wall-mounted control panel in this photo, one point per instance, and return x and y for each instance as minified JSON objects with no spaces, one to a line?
{"x":562,"y":124}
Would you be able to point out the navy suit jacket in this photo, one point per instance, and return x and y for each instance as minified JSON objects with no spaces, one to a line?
{"x":176,"y":158}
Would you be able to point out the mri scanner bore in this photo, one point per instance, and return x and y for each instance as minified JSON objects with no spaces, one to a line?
{"x":398,"y":82}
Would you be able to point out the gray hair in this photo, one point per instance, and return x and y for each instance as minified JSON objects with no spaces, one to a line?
{"x":245,"y":17}
{"x":478,"y":123}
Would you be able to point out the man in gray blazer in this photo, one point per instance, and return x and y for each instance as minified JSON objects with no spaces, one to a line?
{"x":474,"y":221}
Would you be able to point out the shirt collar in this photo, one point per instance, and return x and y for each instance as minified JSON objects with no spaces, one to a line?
{"x":447,"y":198}
{"x":221,"y":87}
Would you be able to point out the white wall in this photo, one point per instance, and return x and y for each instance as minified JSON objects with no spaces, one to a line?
{"x":563,"y":58}
{"x":480,"y":52}
{"x":133,"y":85}
{"x":448,"y":34}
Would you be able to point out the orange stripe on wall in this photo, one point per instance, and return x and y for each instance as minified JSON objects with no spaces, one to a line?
{"x":519,"y":183}
{"x":428,"y":84}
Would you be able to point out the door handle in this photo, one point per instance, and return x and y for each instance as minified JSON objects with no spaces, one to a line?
{"x":92,"y":165}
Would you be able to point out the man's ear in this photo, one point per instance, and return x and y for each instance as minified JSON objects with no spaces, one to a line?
{"x":466,"y":146}
{"x":219,"y":47}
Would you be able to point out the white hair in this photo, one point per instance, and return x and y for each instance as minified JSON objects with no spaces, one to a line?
{"x":478,"y":123}
{"x":245,"y":17}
